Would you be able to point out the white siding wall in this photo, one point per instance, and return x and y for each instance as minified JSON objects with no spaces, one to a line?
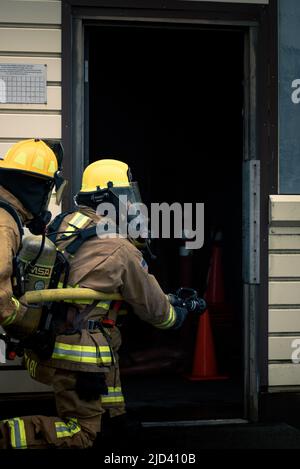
{"x":284,"y":289}
{"x":30,"y":33}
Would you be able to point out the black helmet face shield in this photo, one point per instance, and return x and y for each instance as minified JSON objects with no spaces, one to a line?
{"x":129,"y":193}
{"x":131,"y":213}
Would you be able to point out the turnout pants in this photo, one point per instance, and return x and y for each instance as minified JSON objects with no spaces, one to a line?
{"x":77,"y":422}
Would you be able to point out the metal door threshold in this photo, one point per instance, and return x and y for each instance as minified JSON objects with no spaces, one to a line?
{"x":194,"y":423}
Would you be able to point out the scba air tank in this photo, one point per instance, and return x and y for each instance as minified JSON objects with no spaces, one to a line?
{"x":36,"y":274}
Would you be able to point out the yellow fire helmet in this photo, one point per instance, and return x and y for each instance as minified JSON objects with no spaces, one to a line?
{"x":32,"y":156}
{"x":97,"y":175}
{"x":106,"y":181}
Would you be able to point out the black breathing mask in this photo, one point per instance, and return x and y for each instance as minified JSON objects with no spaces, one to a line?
{"x":37,"y":225}
{"x":34,"y":193}
{"x":42,"y":217}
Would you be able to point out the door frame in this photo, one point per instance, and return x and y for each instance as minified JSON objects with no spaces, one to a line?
{"x":259,"y":23}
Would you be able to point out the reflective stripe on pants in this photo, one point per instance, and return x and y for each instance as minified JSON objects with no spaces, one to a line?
{"x":114,"y":396}
{"x":68,"y":429}
{"x":83,"y":353}
{"x":17,"y":433}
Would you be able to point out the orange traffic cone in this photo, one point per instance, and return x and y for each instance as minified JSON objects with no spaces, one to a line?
{"x":204,"y":362}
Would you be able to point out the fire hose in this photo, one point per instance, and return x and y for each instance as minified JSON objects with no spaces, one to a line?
{"x":63,"y":294}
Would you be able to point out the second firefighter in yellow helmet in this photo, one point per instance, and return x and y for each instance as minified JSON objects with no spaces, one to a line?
{"x":110,"y":181}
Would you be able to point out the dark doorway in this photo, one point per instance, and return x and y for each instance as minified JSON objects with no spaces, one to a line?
{"x":168,"y":100}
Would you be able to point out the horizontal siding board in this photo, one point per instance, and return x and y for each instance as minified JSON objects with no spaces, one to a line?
{"x":285,"y":230}
{"x":284,"y":208}
{"x":53,"y":64}
{"x":284,"y":242}
{"x":284,"y":293}
{"x":41,"y":12}
{"x":284,"y":265}
{"x":53,"y":102}
{"x":284,"y":375}
{"x":28,"y":126}
{"x":280,"y":348}
{"x":284,"y":320}
{"x":30,"y":40}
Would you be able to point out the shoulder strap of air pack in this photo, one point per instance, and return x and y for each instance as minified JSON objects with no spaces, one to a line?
{"x":6,"y":206}
{"x":79,"y":234}
{"x":82,"y":236}
{"x":53,"y":227}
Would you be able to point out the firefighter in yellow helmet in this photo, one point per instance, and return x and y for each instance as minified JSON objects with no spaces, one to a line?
{"x":83,"y":368}
{"x":28,"y":173}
